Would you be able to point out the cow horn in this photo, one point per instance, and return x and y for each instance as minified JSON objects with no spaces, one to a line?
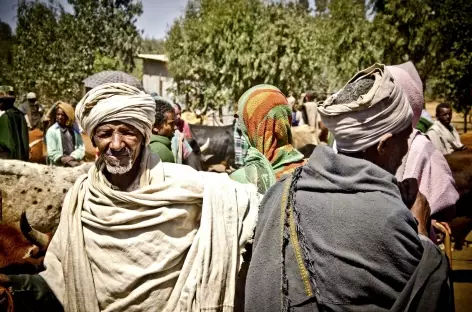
{"x":204,"y":147}
{"x":34,"y":236}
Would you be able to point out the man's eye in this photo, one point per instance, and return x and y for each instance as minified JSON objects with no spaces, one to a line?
{"x":103,"y":134}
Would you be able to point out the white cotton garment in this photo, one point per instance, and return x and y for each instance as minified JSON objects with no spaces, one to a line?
{"x":175,"y":244}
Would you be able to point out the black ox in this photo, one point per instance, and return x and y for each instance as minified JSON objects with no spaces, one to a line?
{"x":220,"y":150}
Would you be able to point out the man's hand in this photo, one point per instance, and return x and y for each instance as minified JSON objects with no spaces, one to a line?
{"x":66,"y":159}
{"x":421,"y":211}
{"x":417,"y":203}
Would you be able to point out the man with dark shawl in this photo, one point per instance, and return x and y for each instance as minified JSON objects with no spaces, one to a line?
{"x":264,"y":119}
{"x":338,"y":234}
{"x":13,"y":130}
{"x":137,"y":234}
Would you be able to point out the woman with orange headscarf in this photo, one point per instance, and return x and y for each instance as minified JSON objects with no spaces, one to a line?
{"x":64,"y":143}
{"x":264,"y":120}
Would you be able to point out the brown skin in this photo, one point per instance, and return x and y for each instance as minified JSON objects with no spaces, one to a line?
{"x":168,"y":126}
{"x":61,"y":118}
{"x":116,"y":139}
{"x":444,"y":116}
{"x":389,"y":152}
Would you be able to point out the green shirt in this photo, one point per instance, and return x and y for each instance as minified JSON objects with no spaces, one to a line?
{"x":161,"y":146}
{"x":14,"y":134}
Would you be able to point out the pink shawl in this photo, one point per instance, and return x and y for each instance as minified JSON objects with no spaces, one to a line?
{"x":426,"y":164}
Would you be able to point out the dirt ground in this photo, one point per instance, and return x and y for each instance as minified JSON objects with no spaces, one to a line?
{"x":462,"y":277}
{"x":457,"y":119}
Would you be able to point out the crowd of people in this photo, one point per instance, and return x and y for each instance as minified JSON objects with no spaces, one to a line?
{"x":348,"y":229}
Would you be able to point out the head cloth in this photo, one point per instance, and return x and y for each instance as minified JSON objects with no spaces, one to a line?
{"x":407,"y":76}
{"x":361,"y":123}
{"x":116,"y":102}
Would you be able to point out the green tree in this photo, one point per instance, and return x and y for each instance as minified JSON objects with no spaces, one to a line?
{"x":6,"y":54}
{"x":219,"y":49}
{"x":56,"y":50}
{"x":349,"y":41}
{"x":453,"y":79}
{"x":152,"y":46}
{"x":437,"y":37}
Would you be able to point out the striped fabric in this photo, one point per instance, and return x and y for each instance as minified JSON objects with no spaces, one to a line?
{"x":265,"y":119}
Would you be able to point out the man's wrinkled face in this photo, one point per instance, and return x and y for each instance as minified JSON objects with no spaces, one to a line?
{"x":119,"y":145}
{"x":61,"y":117}
{"x":444,"y":116}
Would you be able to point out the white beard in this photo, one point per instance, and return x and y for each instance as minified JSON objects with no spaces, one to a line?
{"x":119,"y":169}
{"x":114,"y":166}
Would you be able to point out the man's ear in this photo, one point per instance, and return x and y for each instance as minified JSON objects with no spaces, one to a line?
{"x":155,"y":130}
{"x":383,"y":143}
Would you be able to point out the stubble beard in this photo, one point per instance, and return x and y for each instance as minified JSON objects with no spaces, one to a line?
{"x":115,"y":165}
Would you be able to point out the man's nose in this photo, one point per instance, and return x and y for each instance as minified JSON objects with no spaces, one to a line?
{"x":117,"y":142}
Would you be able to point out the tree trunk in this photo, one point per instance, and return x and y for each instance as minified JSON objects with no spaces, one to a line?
{"x":465,"y":121}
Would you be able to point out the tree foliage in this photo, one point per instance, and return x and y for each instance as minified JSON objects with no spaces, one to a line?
{"x":55,"y":50}
{"x":152,"y":46}
{"x":6,"y":53}
{"x":220,"y":48}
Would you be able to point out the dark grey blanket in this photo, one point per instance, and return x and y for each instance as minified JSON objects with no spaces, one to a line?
{"x":362,"y":249}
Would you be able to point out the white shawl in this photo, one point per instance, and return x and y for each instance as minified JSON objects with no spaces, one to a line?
{"x":444,"y":140}
{"x":172,"y":245}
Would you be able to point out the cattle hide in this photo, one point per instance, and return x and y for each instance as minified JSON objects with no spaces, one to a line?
{"x":221,"y":144}
{"x":36,"y":188}
{"x":461,"y":167}
{"x":303,"y":136}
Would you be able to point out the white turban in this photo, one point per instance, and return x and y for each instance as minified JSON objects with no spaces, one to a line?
{"x":117,"y":102}
{"x":360,"y":124}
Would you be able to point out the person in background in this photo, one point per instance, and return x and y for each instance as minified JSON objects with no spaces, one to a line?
{"x":425,"y":121}
{"x":181,"y":124}
{"x":423,"y":161}
{"x":339,"y":234}
{"x":13,"y":129}
{"x":65,"y":146}
{"x":442,"y":133}
{"x":240,"y":144}
{"x":163,"y":131}
{"x":32,"y":110}
{"x":265,"y":123}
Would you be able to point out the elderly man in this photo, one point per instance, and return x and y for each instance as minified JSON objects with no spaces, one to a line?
{"x":137,"y":234}
{"x":13,"y":130}
{"x":442,"y":133}
{"x":337,"y":235}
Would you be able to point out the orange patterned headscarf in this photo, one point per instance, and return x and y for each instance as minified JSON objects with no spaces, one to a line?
{"x":265,"y":119}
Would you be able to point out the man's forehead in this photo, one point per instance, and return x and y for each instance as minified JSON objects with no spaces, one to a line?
{"x":445,"y":109}
{"x":116,"y":125}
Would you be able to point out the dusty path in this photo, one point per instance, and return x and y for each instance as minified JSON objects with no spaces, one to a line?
{"x":462,"y":275}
